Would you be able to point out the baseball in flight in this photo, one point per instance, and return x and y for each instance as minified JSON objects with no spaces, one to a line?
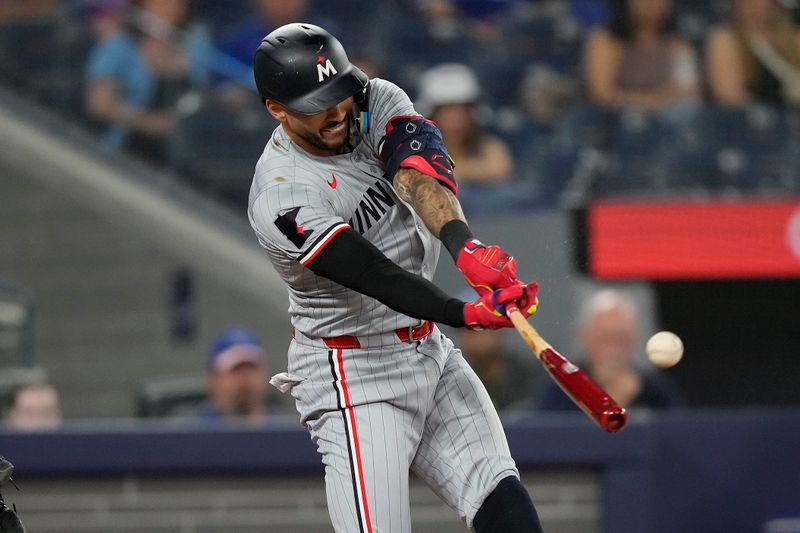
{"x":664,"y":349}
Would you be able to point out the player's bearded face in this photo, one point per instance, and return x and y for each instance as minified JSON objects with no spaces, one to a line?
{"x":326,"y":133}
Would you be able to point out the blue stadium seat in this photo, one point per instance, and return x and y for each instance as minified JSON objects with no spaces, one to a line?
{"x":733,"y":148}
{"x":404,"y":44}
{"x":526,"y":41}
{"x":575,"y":153}
{"x":530,"y":144}
{"x":642,"y":146}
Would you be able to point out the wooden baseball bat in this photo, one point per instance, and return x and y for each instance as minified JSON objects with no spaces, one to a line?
{"x":587,"y":394}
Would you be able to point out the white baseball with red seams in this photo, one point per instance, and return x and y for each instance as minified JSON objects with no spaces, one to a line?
{"x":664,"y":349}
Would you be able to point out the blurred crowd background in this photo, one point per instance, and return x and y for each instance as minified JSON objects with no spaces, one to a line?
{"x":544,"y":105}
{"x":541,"y":102}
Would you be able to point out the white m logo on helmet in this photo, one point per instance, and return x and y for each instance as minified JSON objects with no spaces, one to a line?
{"x":326,"y":70}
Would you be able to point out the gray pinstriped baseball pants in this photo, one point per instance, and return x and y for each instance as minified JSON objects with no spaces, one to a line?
{"x":377,"y":413}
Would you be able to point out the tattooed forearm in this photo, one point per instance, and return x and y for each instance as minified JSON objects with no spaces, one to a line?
{"x":435,"y":204}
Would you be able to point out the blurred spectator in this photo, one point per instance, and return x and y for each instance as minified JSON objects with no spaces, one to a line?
{"x":267,"y":15}
{"x":105,"y":18}
{"x":34,"y":407}
{"x":448,"y":95}
{"x":441,"y":17}
{"x":546,"y":94}
{"x":608,"y":334}
{"x":16,"y":10}
{"x":239,"y":45}
{"x":756,"y":56}
{"x":485,"y":19}
{"x":590,"y":12}
{"x":536,"y":65}
{"x":418,"y":34}
{"x":507,"y":375}
{"x":137,"y":76}
{"x":237,"y":377}
{"x":638,"y":60}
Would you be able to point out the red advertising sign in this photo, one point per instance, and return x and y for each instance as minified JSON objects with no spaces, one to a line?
{"x":694,"y":240}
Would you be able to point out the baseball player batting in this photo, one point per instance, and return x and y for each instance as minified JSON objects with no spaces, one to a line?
{"x":352,"y":198}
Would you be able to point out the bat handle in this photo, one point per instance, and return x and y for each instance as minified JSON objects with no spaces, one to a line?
{"x":528,"y":333}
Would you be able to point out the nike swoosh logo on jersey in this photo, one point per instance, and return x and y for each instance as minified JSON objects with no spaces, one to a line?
{"x":332,"y":182}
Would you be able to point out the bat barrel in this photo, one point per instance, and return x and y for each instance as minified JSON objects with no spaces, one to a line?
{"x":613,"y":420}
{"x":586,"y":394}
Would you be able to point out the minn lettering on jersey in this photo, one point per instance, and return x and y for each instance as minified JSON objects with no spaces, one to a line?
{"x":375,"y":203}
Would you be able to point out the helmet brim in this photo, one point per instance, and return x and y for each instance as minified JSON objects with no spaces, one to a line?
{"x":347,"y":84}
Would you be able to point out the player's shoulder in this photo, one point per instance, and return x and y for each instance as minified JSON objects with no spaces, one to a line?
{"x":384,"y":91}
{"x":282,"y":172}
{"x":381,"y":86}
{"x":387,"y":101}
{"x":282,"y":159}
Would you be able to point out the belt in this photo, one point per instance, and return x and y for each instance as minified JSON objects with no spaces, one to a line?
{"x":409,"y":334}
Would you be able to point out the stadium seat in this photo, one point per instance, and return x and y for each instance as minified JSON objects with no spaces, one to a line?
{"x":531,"y":147}
{"x":733,"y":148}
{"x":172,"y":397}
{"x":576,"y":156}
{"x":641,"y":147}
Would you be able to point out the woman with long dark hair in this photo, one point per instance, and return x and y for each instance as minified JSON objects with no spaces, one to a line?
{"x":755,"y":57}
{"x":639,"y":60}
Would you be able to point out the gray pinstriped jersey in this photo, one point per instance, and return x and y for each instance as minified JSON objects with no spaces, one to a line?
{"x":298,"y":202}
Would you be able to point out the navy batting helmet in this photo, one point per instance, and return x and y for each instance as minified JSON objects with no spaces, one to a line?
{"x":305,"y":69}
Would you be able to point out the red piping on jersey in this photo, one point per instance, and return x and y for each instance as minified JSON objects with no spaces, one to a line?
{"x":354,"y":431}
{"x":419,"y":164}
{"x":323,"y":243}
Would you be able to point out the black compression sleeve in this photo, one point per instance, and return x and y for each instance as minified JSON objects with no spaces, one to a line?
{"x":453,"y":235}
{"x":351,"y":260}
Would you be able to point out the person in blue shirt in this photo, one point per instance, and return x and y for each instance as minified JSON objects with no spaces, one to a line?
{"x":135,"y":77}
{"x":236,"y":377}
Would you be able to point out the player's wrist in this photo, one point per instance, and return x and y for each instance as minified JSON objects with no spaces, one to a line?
{"x":454,"y":235}
{"x":454,"y":313}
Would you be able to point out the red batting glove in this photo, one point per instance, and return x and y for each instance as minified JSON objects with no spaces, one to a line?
{"x":486,"y":267}
{"x":488,"y":311}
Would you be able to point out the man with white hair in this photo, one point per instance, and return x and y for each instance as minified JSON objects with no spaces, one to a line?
{"x":608,"y":332}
